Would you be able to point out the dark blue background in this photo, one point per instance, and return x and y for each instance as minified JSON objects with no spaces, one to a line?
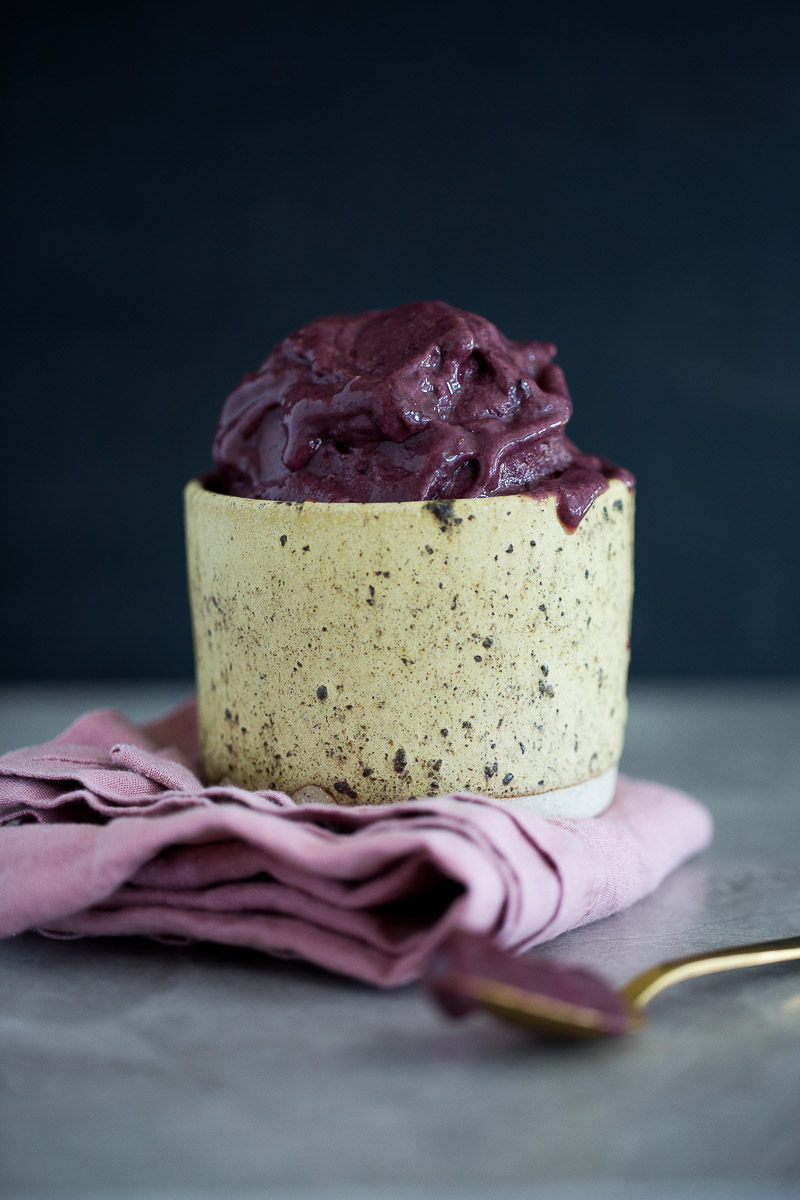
{"x":185,"y":183}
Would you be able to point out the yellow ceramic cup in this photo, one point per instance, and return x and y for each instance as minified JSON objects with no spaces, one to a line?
{"x":388,"y":651}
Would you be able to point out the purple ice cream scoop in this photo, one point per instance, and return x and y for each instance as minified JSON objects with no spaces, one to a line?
{"x":420,"y":402}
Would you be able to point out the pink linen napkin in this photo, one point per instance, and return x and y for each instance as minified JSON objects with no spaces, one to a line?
{"x":108,"y":830}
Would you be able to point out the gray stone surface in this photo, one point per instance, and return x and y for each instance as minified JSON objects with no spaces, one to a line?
{"x":136,"y":1070}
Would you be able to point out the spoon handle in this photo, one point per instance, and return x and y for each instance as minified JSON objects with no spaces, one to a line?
{"x":641,"y":990}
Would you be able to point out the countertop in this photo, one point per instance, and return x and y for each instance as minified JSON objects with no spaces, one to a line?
{"x":137,"y":1071}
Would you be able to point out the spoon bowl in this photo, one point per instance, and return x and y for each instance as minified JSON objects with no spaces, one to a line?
{"x":562,"y":1001}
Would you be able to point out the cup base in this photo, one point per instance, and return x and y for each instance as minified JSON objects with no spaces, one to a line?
{"x":587,"y":799}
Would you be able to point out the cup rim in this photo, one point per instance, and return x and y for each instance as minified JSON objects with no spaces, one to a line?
{"x":441,"y":508}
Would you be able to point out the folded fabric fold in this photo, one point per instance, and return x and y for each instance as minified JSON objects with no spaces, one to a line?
{"x":108,"y":830}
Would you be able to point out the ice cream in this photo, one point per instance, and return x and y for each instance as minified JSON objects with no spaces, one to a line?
{"x":405,"y":579}
{"x":421,"y":402}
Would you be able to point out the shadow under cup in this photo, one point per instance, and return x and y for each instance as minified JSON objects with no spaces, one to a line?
{"x":384,"y":652}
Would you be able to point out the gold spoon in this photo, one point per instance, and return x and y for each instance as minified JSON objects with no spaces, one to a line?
{"x":570,"y":1002}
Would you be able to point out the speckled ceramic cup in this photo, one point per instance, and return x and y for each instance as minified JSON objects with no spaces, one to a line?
{"x":388,"y":651}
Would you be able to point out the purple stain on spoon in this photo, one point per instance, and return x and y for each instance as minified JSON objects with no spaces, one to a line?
{"x":468,"y":972}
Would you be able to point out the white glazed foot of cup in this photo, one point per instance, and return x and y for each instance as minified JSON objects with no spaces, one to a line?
{"x":587,"y":799}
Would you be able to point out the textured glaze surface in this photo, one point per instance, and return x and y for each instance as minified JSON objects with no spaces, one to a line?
{"x":138,"y":1071}
{"x":385,"y":651}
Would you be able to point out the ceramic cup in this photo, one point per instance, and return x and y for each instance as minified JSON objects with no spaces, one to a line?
{"x":383,"y":652}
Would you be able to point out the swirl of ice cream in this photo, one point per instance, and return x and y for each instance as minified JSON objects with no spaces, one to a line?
{"x":420,"y":402}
